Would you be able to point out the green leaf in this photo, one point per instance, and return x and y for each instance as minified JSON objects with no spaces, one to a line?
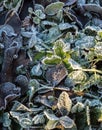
{"x":100,"y":34}
{"x":53,"y":8}
{"x":67,"y":122}
{"x":58,"y":48}
{"x":54,"y":60}
{"x":36,"y":20}
{"x":40,"y":14}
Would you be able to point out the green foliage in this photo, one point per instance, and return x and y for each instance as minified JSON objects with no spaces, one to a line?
{"x":64,"y":71}
{"x":54,"y":8}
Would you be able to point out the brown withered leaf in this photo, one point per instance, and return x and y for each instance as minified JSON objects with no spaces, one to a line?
{"x":13,"y":19}
{"x":10,"y":54}
{"x":8,"y":92}
{"x":56,"y":74}
{"x":22,"y":58}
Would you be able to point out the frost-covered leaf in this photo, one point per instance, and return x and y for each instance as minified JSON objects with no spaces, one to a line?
{"x":78,"y":76}
{"x":64,"y":26}
{"x":91,"y":31}
{"x":51,"y":116}
{"x":64,"y":103}
{"x":36,"y":70}
{"x":38,"y":119}
{"x":60,"y":15}
{"x":26,"y":34}
{"x":56,"y":74}
{"x":58,"y":48}
{"x":78,"y":107}
{"x":33,"y":86}
{"x":52,"y":60}
{"x":34,"y":83}
{"x":94,"y":79}
{"x":32,"y":41}
{"x":6,"y":120}
{"x":18,"y":115}
{"x":14,"y":4}
{"x":48,"y":23}
{"x":38,"y":7}
{"x":25,"y":122}
{"x":85,"y":42}
{"x":67,"y":122}
{"x":67,"y":26}
{"x":36,"y":20}
{"x":53,"y":8}
{"x":98,"y":49}
{"x":18,"y":107}
{"x":53,"y":35}
{"x":74,"y":64}
{"x":95,"y":103}
{"x":51,"y":124}
{"x":40,"y":14}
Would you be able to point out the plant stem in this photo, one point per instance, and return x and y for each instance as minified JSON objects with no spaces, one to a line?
{"x":92,"y":70}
